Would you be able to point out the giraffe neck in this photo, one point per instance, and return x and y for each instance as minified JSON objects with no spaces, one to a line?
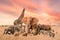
{"x":22,"y":15}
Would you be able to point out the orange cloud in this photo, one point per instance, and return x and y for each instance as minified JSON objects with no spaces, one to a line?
{"x":33,"y":7}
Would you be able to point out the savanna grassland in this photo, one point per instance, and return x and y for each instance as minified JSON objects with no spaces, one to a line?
{"x":29,"y":37}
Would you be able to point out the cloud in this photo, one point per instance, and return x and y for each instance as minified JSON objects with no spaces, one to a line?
{"x":6,"y":2}
{"x":28,"y":4}
{"x":48,"y":10}
{"x":36,"y":1}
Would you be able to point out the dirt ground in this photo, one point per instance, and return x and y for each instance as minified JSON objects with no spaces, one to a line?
{"x":29,"y":37}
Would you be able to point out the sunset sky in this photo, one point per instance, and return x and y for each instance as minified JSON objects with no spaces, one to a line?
{"x":48,"y":11}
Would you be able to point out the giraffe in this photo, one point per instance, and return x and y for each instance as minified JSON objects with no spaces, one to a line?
{"x":18,"y":21}
{"x":24,"y":21}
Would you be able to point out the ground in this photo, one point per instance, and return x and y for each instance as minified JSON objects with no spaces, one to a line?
{"x":29,"y":37}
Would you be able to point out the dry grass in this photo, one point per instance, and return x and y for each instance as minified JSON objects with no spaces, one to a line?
{"x":29,"y":37}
